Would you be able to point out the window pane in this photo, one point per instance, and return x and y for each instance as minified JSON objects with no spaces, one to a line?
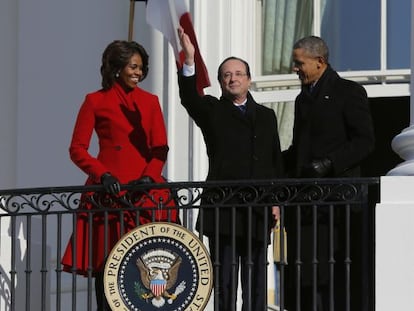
{"x":284,"y":22}
{"x":398,"y":32}
{"x":351,"y":29}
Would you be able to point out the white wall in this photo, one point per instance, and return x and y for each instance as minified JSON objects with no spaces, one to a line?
{"x":394,"y":251}
{"x":50,"y":57}
{"x":8,"y":93}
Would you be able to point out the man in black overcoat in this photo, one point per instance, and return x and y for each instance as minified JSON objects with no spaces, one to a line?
{"x":332,"y":134}
{"x":240,"y":146}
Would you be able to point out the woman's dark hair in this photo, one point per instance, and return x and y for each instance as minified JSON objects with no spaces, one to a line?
{"x":116,"y":56}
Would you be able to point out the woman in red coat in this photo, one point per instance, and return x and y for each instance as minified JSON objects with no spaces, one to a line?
{"x":132,"y":149}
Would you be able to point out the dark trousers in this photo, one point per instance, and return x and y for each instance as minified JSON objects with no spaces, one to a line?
{"x":359,"y":264}
{"x":253,"y":274}
{"x":102,"y":304}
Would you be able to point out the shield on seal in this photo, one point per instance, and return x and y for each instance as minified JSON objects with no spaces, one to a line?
{"x":158,"y":287}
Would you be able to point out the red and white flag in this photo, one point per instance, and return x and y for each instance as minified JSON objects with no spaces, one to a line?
{"x":166,"y":16}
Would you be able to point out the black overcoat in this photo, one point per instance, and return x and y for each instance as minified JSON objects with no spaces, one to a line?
{"x":333,"y":121}
{"x":239,"y":147}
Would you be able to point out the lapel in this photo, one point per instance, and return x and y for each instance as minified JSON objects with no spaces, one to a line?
{"x":251,"y":109}
{"x":321,"y":95}
{"x":246,"y":119}
{"x":309,"y":104}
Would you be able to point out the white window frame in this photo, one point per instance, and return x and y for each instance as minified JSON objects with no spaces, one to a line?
{"x":378,"y":83}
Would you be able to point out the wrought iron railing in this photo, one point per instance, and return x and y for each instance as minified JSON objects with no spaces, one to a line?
{"x":35,"y":225}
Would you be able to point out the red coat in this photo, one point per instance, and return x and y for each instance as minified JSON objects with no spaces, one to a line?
{"x":132,"y":143}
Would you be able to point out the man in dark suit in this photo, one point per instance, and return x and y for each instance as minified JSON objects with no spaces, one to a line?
{"x":240,"y":145}
{"x":332,"y":134}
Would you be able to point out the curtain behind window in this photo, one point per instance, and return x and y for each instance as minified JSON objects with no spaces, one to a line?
{"x":284,"y":22}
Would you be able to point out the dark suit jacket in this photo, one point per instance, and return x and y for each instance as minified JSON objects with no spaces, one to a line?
{"x":238,"y":147}
{"x":333,"y":121}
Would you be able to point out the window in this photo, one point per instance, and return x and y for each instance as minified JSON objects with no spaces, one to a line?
{"x":398,"y":30}
{"x":361,"y":35}
{"x":369,"y":42}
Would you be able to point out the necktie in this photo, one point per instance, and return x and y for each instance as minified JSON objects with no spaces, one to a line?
{"x":312,"y":87}
{"x":242,"y":108}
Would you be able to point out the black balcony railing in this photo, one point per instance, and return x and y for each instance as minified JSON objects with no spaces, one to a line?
{"x":36,"y":223}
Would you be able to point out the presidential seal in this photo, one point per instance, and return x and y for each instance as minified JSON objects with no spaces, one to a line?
{"x":158,"y":266}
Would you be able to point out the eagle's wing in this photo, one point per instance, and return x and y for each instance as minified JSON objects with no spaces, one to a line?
{"x":145,"y":273}
{"x":173,"y":272}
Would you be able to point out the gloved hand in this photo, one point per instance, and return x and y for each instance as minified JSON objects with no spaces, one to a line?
{"x":318,"y":168}
{"x":142,"y":181}
{"x":110,"y":183}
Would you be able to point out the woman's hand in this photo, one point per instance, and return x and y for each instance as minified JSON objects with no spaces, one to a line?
{"x":110,"y":183}
{"x":141,"y":181}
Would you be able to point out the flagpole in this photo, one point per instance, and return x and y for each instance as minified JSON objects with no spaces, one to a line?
{"x":131,"y":19}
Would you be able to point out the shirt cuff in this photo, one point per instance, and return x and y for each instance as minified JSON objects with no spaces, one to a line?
{"x":188,"y":71}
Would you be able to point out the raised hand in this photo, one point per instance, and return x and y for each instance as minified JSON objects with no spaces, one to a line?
{"x":187,"y":46}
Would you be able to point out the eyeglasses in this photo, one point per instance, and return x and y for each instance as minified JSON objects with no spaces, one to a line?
{"x":237,"y":74}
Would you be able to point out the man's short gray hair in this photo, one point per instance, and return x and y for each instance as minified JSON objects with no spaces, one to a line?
{"x":313,"y":46}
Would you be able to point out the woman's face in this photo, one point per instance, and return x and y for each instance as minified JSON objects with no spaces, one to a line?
{"x":132,"y":72}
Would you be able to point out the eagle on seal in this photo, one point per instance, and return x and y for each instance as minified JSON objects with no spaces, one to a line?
{"x":159,"y":279}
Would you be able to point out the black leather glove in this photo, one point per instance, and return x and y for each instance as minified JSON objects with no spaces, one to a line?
{"x":318,"y":168}
{"x":110,"y":183}
{"x":142,"y":181}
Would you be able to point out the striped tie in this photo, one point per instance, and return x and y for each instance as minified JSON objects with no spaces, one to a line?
{"x":242,"y":108}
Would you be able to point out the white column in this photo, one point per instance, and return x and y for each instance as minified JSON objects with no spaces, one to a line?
{"x":394,"y":254}
{"x":403,"y":144}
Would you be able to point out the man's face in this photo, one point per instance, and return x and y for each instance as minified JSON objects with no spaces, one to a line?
{"x":308,"y":68}
{"x":234,"y":81}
